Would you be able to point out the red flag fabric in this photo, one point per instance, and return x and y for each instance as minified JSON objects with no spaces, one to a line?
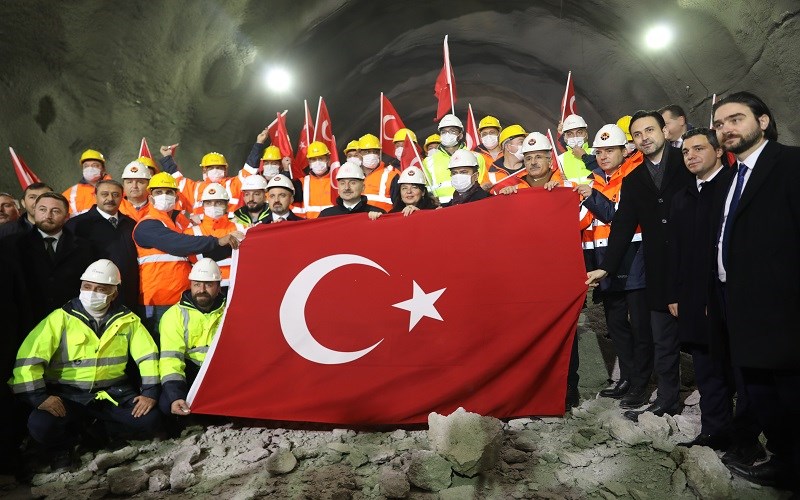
{"x":472,"y":137}
{"x":25,"y":175}
{"x":144,"y":150}
{"x":410,"y":156}
{"x":279,"y":137}
{"x":390,"y":124}
{"x":445,"y":87}
{"x":306,"y":133}
{"x":511,"y":180}
{"x":556,"y":163}
{"x":433,"y":337}
{"x":322,"y":128}
{"x":568,"y":102}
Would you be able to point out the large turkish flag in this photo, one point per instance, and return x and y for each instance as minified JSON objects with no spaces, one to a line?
{"x":351,"y":321}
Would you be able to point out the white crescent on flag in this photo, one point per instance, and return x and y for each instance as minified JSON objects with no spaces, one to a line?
{"x":326,"y":125}
{"x":387,"y":119}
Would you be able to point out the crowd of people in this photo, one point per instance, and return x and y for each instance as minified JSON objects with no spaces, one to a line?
{"x":115,"y":289}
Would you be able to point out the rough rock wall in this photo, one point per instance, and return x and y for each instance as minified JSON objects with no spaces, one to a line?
{"x":104,"y":74}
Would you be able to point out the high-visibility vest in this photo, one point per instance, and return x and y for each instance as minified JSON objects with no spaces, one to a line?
{"x":316,"y":196}
{"x":81,"y":197}
{"x":611,"y":189}
{"x":523,"y":184}
{"x":137,"y":214}
{"x":377,"y":186}
{"x":217,"y":228}
{"x":162,"y":277}
{"x":63,"y":350}
{"x":186,"y":334}
{"x":493,"y":175}
{"x":574,"y":168}
{"x":437,"y":171}
{"x":192,"y":191}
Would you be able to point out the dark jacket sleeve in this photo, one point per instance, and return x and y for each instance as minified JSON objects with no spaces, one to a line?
{"x":601,"y":207}
{"x":168,"y":164}
{"x":625,"y":221}
{"x":254,"y":158}
{"x":175,"y":390}
{"x":674,"y":256}
{"x":591,"y":162}
{"x":153,"y":234}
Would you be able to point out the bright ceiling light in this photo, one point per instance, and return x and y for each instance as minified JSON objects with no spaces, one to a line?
{"x":658,"y":37}
{"x":277,"y":79}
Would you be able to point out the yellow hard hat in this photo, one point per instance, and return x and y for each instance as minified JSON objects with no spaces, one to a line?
{"x":316,"y":149}
{"x":148,"y":162}
{"x":368,"y":141}
{"x":91,"y":154}
{"x":162,"y":180}
{"x":400,"y":135}
{"x":625,"y":124}
{"x":351,"y":146}
{"x":512,"y":131}
{"x":489,"y":121}
{"x":272,"y":153}
{"x":213,"y":160}
{"x":431,"y":139}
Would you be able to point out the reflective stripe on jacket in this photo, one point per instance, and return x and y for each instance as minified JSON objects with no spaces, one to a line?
{"x":163,"y":277}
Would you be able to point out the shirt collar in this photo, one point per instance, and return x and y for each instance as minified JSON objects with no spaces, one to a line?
{"x":57,"y":236}
{"x":276,"y":216}
{"x":751,"y":160}
{"x":106,"y":215}
{"x":710,"y":177}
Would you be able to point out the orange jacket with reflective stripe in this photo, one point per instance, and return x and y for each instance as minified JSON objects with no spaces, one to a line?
{"x":137,"y":214}
{"x":218,"y":228}
{"x":163,"y":277}
{"x":192,"y":191}
{"x":611,"y":189}
{"x":377,"y":186}
{"x":81,"y":197}
{"x":316,"y":196}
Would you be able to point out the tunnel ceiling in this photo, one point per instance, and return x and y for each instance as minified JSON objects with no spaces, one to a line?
{"x":104,"y":74}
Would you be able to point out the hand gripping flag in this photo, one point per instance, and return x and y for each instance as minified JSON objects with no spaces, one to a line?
{"x":445,"y":87}
{"x":430,"y":338}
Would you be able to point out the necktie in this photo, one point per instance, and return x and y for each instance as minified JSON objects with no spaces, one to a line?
{"x":737,"y":194}
{"x":113,"y":221}
{"x":49,"y":245}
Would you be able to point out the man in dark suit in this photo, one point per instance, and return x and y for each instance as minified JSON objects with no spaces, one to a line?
{"x":110,"y":234}
{"x":645,"y":201}
{"x":25,"y":221}
{"x":52,"y":259}
{"x":757,"y":223}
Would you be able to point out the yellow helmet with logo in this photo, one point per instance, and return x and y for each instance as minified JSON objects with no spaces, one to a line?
{"x":489,"y":121}
{"x":272,"y":153}
{"x":351,"y":146}
{"x":512,"y":131}
{"x":162,"y":180}
{"x":148,"y":162}
{"x":401,"y":134}
{"x":316,"y":149}
{"x":92,"y":154}
{"x":368,"y":141}
{"x":213,"y":160}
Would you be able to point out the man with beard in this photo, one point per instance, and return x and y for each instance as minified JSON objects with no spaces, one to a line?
{"x":254,"y":194}
{"x":25,"y":221}
{"x":351,"y":200}
{"x":757,"y":222}
{"x":645,"y":200}
{"x":280,"y":193}
{"x":187,"y":329}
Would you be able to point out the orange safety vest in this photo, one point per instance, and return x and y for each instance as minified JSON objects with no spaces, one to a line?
{"x":377,"y":186}
{"x":81,"y":197}
{"x":137,"y":214}
{"x":162,"y":277}
{"x":523,"y":184}
{"x":217,"y":228}
{"x":611,"y":190}
{"x":316,"y":196}
{"x":493,"y":174}
{"x":192,"y":191}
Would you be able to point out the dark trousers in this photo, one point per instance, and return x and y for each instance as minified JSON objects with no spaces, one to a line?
{"x":714,"y":381}
{"x":62,"y":432}
{"x":151,"y":317}
{"x":628,"y":323}
{"x":12,"y":431}
{"x":666,"y":357}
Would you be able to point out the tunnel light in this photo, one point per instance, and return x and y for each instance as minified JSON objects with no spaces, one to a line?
{"x":658,"y":37}
{"x":277,"y":79}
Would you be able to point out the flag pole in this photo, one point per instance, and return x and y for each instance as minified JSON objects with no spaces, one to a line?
{"x":564,"y":100}
{"x":380,"y":118}
{"x":316,"y":121}
{"x":449,"y":75}
{"x":275,"y":121}
{"x":305,"y":119}
{"x":713,"y":102}
{"x":555,"y":156}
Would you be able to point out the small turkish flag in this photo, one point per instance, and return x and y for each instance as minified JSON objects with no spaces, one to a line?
{"x":25,"y":175}
{"x":144,"y":150}
{"x":432,"y":337}
{"x":410,"y":156}
{"x":511,"y":180}
{"x":306,"y":133}
{"x":472,"y":137}
{"x":390,"y":124}
{"x":279,"y":137}
{"x":568,"y":102}
{"x":445,"y":87}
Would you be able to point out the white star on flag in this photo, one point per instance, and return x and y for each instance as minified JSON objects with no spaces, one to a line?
{"x":420,"y":305}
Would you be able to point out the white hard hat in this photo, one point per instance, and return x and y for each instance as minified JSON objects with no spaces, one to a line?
{"x":349,"y":171}
{"x":136,"y":170}
{"x":610,"y":135}
{"x":463,"y":158}
{"x":214,"y":191}
{"x":450,"y":121}
{"x":103,"y":272}
{"x":281,"y":181}
{"x":205,"y":269}
{"x":573,"y":121}
{"x":535,"y":142}
{"x":254,"y":182}
{"x":412,"y":175}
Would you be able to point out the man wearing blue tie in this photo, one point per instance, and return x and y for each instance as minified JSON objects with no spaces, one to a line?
{"x":757,"y":266}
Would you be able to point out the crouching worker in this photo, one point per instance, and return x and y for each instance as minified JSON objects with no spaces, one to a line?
{"x":187,"y":329}
{"x":71,"y":369}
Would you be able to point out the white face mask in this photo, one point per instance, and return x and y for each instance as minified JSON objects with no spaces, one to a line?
{"x":92,"y":174}
{"x":449,"y":140}
{"x":630,"y":147}
{"x":489,"y":141}
{"x":516,"y":153}
{"x":215,"y":175}
{"x":575,"y":142}
{"x":371,"y":160}
{"x":355,"y":160}
{"x":461,"y":182}
{"x":318,"y":167}
{"x":398,"y":152}
{"x":430,"y":152}
{"x":93,"y":301}
{"x":271,"y":171}
{"x":214,"y":212}
{"x":164,"y":202}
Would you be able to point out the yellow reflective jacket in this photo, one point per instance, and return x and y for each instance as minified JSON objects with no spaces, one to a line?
{"x":63,"y":356}
{"x":437,"y":170}
{"x":186,"y":334}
